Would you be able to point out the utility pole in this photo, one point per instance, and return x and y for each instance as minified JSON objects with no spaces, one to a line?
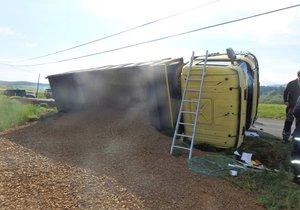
{"x":37,"y":87}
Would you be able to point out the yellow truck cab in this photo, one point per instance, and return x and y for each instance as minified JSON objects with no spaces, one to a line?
{"x":229,"y":98}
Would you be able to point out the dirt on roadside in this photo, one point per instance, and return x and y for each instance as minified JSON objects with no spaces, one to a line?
{"x":105,"y":160}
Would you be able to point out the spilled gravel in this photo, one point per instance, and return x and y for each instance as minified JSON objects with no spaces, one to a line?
{"x":104,"y":160}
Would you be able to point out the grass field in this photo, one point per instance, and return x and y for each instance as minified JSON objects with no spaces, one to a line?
{"x":13,"y":113}
{"x":271,"y":111}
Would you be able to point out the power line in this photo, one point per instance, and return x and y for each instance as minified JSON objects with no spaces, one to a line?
{"x":17,"y":69}
{"x":121,"y":32}
{"x":165,"y":37}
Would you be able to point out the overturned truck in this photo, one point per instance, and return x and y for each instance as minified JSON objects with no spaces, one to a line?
{"x":228,"y":103}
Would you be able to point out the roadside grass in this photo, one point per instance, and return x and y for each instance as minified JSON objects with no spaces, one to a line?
{"x":274,"y":185}
{"x":274,"y":189}
{"x":271,"y":111}
{"x":13,"y":113}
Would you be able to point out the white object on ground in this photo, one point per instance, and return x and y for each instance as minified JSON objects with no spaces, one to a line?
{"x":247,"y":157}
{"x":251,"y":134}
{"x":233,"y":172}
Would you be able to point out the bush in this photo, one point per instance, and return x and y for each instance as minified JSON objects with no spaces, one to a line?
{"x":13,"y":113}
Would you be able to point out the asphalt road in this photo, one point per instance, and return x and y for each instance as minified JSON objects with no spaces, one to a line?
{"x":270,"y":126}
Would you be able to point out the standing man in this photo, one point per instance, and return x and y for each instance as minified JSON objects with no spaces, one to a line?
{"x":290,"y":96}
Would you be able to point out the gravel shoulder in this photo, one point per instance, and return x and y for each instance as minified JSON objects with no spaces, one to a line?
{"x":104,"y":160}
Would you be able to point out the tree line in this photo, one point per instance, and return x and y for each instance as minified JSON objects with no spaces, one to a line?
{"x":271,"y":94}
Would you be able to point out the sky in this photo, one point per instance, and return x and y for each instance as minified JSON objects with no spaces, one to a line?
{"x":34,"y":28}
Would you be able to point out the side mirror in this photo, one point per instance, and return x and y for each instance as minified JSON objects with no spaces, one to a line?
{"x":231,"y":54}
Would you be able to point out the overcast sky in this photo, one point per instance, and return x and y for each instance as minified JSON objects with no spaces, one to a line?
{"x":35,"y":28}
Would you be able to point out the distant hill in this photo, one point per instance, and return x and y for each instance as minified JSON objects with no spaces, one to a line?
{"x":23,"y":85}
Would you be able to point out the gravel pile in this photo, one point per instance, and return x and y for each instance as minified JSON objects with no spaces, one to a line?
{"x":104,"y":160}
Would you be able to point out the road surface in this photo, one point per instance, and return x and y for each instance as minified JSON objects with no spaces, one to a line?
{"x":270,"y":126}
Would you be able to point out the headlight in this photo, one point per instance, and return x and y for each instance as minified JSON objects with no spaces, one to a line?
{"x":297,"y":138}
{"x":295,"y":161}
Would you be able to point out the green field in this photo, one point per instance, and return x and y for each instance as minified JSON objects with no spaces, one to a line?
{"x":271,"y":111}
{"x":13,"y":113}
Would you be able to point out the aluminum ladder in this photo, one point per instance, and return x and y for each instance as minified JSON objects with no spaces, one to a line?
{"x":178,"y":136}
